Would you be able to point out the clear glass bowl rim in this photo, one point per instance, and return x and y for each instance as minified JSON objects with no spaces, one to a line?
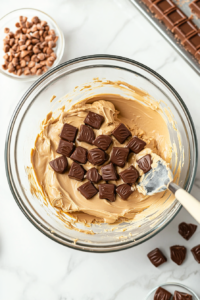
{"x":30,"y":217}
{"x":29,"y":78}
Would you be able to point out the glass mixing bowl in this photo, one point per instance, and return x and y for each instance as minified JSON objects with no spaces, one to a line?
{"x":24,"y":127}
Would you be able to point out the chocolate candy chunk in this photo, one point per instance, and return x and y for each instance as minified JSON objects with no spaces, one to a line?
{"x":173,"y":18}
{"x":94,"y":120}
{"x":178,"y":254}
{"x":186,"y":230}
{"x":60,"y":164}
{"x":79,"y":155}
{"x":196,"y":253}
{"x":195,"y":7}
{"x":65,"y":148}
{"x":107,"y":191}
{"x":121,"y":133}
{"x":144,"y":163}
{"x":129,"y":175}
{"x":184,"y":29}
{"x":124,"y":191}
{"x":192,"y":43}
{"x":162,"y":7}
{"x":156,"y":257}
{"x":162,"y":294}
{"x":88,"y":190}
{"x":86,"y":134}
{"x":108,"y":172}
{"x":93,"y":175}
{"x":68,"y":133}
{"x":76,"y":172}
{"x":136,"y":145}
{"x":181,"y":296}
{"x":96,"y":156}
{"x":119,"y":156}
{"x":103,"y":142}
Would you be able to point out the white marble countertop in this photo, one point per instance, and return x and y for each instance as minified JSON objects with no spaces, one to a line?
{"x":33,"y":267}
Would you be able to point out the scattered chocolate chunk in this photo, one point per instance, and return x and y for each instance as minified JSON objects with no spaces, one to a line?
{"x":124,"y":191}
{"x":79,"y":155}
{"x":178,"y":254}
{"x":119,"y":156}
{"x":68,"y":133}
{"x":121,"y":133}
{"x":76,"y":172}
{"x":65,"y":148}
{"x":173,"y":18}
{"x":88,"y":190}
{"x":181,"y":296}
{"x":156,"y":257}
{"x":162,"y":294}
{"x":94,"y":120}
{"x":144,"y":163}
{"x":192,"y":43}
{"x":86,"y":134}
{"x":136,"y":145}
{"x":107,"y":191}
{"x":97,"y":156}
{"x":108,"y":172}
{"x":129,"y":175}
{"x":162,"y":7}
{"x":59,"y":165}
{"x":93,"y":175}
{"x":195,"y":7}
{"x":196,"y":253}
{"x":184,"y":29}
{"x":186,"y":230}
{"x":103,"y":142}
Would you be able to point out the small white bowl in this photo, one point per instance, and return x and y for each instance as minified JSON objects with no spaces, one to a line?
{"x":11,"y":19}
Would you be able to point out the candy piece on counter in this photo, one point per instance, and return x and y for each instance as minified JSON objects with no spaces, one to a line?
{"x":121,"y":133}
{"x":119,"y":156}
{"x":65,"y":148}
{"x":186,"y":230}
{"x":174,"y":18}
{"x":195,"y":7}
{"x":162,"y":294}
{"x":59,"y":165}
{"x":181,"y":296}
{"x":76,"y":172}
{"x":68,"y":133}
{"x":103,"y":142}
{"x":94,"y":120}
{"x":107,"y":191}
{"x":79,"y":155}
{"x":162,"y":7}
{"x":108,"y":172}
{"x":93,"y":175}
{"x":124,"y":191}
{"x":196,"y":253}
{"x":156,"y":257}
{"x":136,"y":145}
{"x":183,"y":30}
{"x":97,"y":156}
{"x":88,"y":190}
{"x":178,"y":254}
{"x":86,"y":134}
{"x":129,"y":175}
{"x":144,"y":163}
{"x":148,"y":3}
{"x":192,"y":43}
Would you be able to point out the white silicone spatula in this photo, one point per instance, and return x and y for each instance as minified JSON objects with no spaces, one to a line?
{"x":159,"y":179}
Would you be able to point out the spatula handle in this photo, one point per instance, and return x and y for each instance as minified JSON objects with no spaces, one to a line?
{"x":191,"y":204}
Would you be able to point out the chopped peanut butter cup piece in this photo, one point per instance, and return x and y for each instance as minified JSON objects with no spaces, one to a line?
{"x":162,"y":294}
{"x":196,"y":253}
{"x":86,"y":134}
{"x":124,"y":191}
{"x":136,"y":145}
{"x":156,"y":257}
{"x":103,"y":142}
{"x":79,"y":155}
{"x":108,"y":172}
{"x":93,"y":175}
{"x":121,"y":133}
{"x":181,"y":296}
{"x":88,"y":190}
{"x":65,"y":148}
{"x":76,"y":172}
{"x":178,"y":254}
{"x":97,"y":156}
{"x":68,"y":133}
{"x":144,"y":163}
{"x":107,"y":191}
{"x":119,"y":156}
{"x":129,"y":175}
{"x":94,"y":120}
{"x":186,"y":230}
{"x":60,"y":164}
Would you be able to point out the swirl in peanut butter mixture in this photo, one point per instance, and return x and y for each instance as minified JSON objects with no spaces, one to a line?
{"x":62,"y":192}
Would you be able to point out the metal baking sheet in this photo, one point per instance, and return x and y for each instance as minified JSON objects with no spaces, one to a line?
{"x":167,"y":34}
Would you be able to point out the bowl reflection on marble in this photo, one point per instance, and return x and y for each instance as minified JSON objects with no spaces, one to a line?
{"x":25,"y":124}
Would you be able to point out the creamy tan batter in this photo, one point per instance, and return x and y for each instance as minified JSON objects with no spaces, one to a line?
{"x":144,"y":121}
